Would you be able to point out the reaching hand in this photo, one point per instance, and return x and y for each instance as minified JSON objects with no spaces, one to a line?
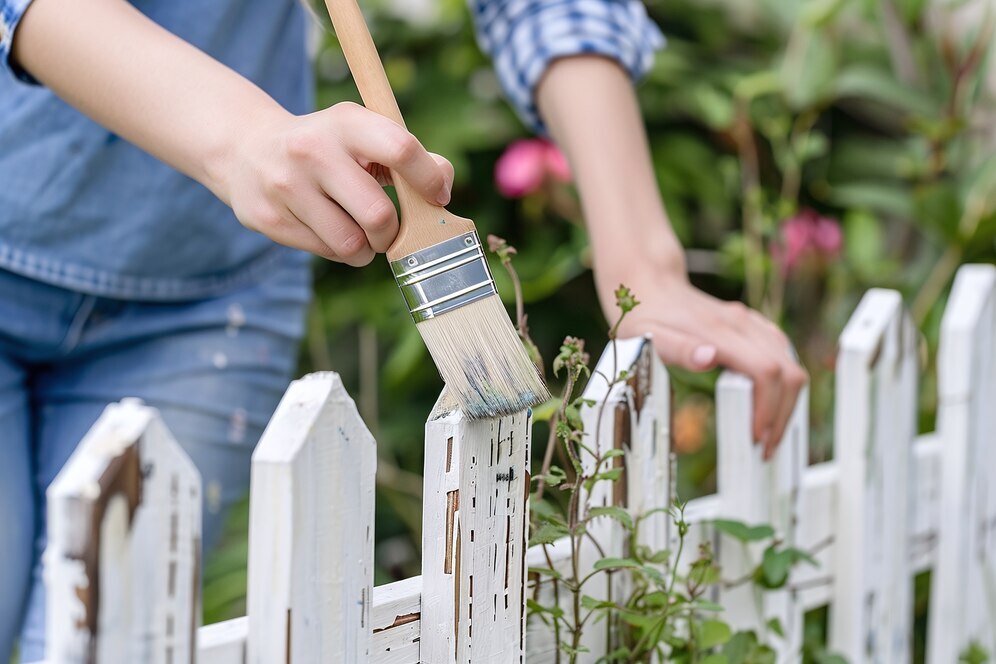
{"x":315,"y":182}
{"x":696,"y":331}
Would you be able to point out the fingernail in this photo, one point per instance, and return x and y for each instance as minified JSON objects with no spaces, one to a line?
{"x":704,"y":355}
{"x":444,"y":196}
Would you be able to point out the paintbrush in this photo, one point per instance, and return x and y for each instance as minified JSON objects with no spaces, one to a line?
{"x":440,"y":266}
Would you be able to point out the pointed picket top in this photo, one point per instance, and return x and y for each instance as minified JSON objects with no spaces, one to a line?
{"x":123,"y":557}
{"x":875,"y":429}
{"x":962,"y":591}
{"x":311,"y":529}
{"x":474,"y":534}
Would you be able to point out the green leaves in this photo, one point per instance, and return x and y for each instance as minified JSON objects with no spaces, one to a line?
{"x":613,"y":512}
{"x":548,"y":533}
{"x":615,"y":563}
{"x":714,"y":633}
{"x":625,"y":299}
{"x":776,"y":565}
{"x":974,"y":653}
{"x":742,"y":532}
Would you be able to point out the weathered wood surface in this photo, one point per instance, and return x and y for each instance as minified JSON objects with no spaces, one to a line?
{"x":394,"y":622}
{"x":874,"y":432}
{"x":899,"y":480}
{"x":475,"y":529}
{"x":311,"y":529}
{"x":963,"y":592}
{"x":755,"y":491}
{"x":888,"y":505}
{"x":123,"y":556}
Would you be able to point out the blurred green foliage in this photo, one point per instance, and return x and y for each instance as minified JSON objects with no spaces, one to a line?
{"x":870,"y":111}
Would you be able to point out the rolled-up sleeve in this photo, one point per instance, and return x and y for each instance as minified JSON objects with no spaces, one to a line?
{"x":524,"y":36}
{"x":11,"y":12}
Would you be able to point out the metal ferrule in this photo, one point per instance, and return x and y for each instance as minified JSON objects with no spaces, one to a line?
{"x":444,"y":276}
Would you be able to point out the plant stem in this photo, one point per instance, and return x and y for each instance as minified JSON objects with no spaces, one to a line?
{"x":556,"y":602}
{"x":743,"y":134}
{"x":935,"y":283}
{"x":551,"y":444}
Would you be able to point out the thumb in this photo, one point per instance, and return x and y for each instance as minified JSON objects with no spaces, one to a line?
{"x":447,"y":168}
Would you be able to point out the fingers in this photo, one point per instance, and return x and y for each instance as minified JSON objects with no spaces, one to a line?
{"x":744,"y":341}
{"x":680,"y":349}
{"x":334,"y":227}
{"x":373,"y":139}
{"x":363,"y":199}
{"x":321,"y":171}
{"x":757,"y":348}
{"x":447,"y":169}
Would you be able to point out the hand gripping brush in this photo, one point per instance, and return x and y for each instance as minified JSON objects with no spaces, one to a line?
{"x":440,"y":266}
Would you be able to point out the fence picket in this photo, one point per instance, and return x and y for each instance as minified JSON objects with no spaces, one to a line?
{"x":124,"y":517}
{"x":475,"y":531}
{"x":396,"y":622}
{"x":311,"y":529}
{"x":963,"y":593}
{"x":758,"y":492}
{"x":224,"y":642}
{"x":124,"y":545}
{"x":875,"y":428}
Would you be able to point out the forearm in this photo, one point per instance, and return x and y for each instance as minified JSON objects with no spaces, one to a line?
{"x":591,"y":111}
{"x":118,"y":67}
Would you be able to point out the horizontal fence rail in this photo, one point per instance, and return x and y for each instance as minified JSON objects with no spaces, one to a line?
{"x":122,"y":565}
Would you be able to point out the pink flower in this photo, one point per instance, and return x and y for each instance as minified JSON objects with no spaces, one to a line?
{"x":525,"y":166}
{"x":806,"y":235}
{"x":556,"y":163}
{"x":827,"y":237}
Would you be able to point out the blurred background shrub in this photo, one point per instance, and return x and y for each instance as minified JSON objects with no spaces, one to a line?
{"x":806,"y":151}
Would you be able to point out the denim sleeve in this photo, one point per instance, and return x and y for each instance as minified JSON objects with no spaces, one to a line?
{"x":11,"y":12}
{"x":524,"y":36}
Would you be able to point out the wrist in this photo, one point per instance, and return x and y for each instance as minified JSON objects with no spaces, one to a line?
{"x":639,"y":267}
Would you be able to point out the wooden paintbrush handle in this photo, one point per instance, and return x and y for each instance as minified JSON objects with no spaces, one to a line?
{"x":364,"y":62}
{"x":422,"y":223}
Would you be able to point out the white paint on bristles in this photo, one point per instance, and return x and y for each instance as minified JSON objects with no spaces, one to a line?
{"x":889,"y":505}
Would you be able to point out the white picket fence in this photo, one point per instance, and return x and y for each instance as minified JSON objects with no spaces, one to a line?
{"x":123,"y":565}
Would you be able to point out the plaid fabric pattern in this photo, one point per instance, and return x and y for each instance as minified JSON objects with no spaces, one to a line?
{"x":10,"y":14}
{"x":524,"y":36}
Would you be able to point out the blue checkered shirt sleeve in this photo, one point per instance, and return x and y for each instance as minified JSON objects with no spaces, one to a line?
{"x":524,"y":36}
{"x":10,"y":15}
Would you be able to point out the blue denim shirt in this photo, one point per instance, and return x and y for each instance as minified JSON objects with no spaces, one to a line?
{"x":83,"y":209}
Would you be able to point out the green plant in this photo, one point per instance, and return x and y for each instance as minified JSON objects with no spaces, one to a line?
{"x":663,"y":612}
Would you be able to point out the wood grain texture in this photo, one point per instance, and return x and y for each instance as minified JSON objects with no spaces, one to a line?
{"x":423,"y":224}
{"x":874,"y":432}
{"x":311,"y":529}
{"x":122,"y":563}
{"x":963,"y":592}
{"x":396,"y":622}
{"x":125,"y":516}
{"x":758,"y":492}
{"x":475,"y":520}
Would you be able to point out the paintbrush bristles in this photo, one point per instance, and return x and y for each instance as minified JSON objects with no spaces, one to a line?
{"x":482,"y":360}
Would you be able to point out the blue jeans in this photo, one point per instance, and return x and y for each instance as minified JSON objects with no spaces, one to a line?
{"x":214,"y":368}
